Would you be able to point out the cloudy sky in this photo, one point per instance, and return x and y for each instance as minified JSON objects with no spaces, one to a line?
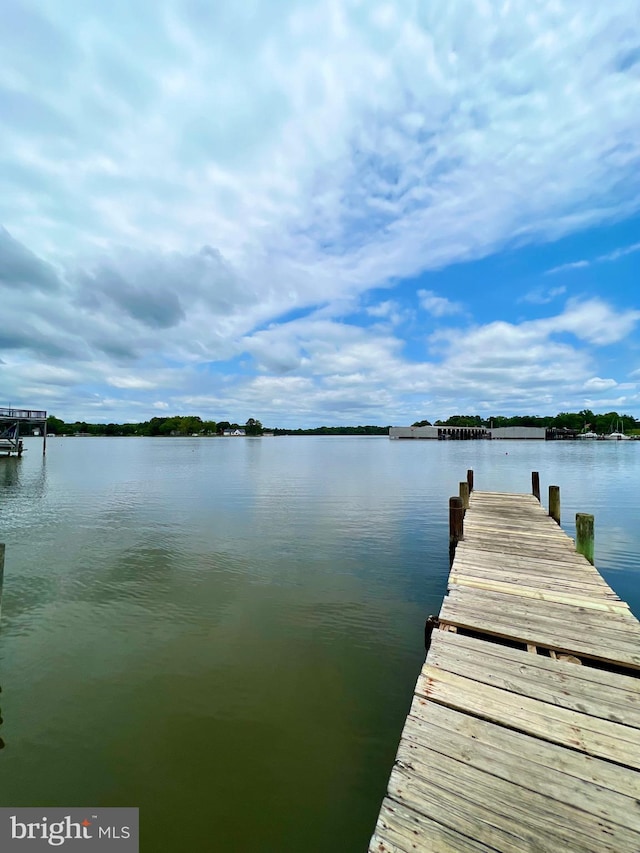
{"x":344,"y":211}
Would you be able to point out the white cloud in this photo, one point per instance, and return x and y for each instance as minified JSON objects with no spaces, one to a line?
{"x":129,"y":382}
{"x":606,"y":258}
{"x":542,"y":296}
{"x":438,"y":306}
{"x":620,"y":253}
{"x":574,"y":265}
{"x":593,"y":321}
{"x":598,"y":384}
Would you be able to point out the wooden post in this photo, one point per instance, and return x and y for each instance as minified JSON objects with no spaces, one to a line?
{"x":430,"y":624}
{"x":44,"y":439}
{"x":456,"y":525}
{"x":464,"y":494}
{"x":554,"y":503}
{"x":535,"y":484}
{"x":584,"y":535}
{"x":470,"y":479}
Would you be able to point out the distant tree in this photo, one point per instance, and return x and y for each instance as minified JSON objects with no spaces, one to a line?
{"x":461,"y":421}
{"x":55,"y":425}
{"x":253,"y":427}
{"x":421,"y":423}
{"x":222,"y":426}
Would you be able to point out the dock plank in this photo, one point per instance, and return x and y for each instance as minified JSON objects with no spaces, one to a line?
{"x":610,"y":696}
{"x":573,"y":730}
{"x":456,"y":796}
{"x":587,"y":782}
{"x":519,"y":589}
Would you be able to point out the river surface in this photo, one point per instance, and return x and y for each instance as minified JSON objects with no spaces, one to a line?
{"x":226,"y":632}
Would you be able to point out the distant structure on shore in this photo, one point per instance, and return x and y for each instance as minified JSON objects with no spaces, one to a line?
{"x":469,"y":433}
{"x":14,"y":422}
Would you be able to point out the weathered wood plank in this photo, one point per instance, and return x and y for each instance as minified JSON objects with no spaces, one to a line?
{"x":490,"y":602}
{"x":493,"y":553}
{"x":523,"y":591}
{"x":409,"y":831}
{"x":567,"y":638}
{"x":511,"y":818}
{"x":537,"y":582}
{"x":548,"y":812}
{"x":607,"y":684}
{"x":554,"y":682}
{"x":557,"y":567}
{"x":585,"y":781}
{"x":531,"y":576}
{"x":592,"y":735}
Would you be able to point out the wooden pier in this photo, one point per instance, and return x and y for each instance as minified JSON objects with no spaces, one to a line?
{"x":524,"y":730}
{"x":11,"y":422}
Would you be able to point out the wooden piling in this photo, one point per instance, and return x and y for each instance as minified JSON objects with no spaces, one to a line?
{"x":584,"y":535}
{"x":456,"y":523}
{"x":554,"y":503}
{"x":535,"y":484}
{"x":430,"y":624}
{"x":464,"y":494}
{"x":470,"y":479}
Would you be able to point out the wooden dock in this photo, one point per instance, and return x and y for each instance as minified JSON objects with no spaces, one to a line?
{"x":524,"y":730}
{"x":11,"y":421}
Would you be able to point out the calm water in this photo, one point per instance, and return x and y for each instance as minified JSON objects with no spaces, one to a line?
{"x":226,"y":632}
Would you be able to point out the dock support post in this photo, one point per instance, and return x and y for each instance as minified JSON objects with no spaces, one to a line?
{"x":456,"y":524}
{"x":430,"y":624}
{"x":535,"y":485}
{"x":554,"y":503}
{"x":470,"y":479}
{"x":464,"y":495}
{"x":584,"y":535}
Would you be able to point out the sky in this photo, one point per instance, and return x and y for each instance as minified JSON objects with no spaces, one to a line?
{"x":335,"y":212}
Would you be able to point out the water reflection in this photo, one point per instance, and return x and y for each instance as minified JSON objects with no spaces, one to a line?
{"x":2,"y":553}
{"x":10,"y":467}
{"x":2,"y":741}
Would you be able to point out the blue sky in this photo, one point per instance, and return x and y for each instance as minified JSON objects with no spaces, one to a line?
{"x":319,"y":212}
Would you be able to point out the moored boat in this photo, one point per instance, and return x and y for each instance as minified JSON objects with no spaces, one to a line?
{"x":617,"y":434}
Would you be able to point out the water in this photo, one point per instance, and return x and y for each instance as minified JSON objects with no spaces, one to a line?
{"x":226,"y":632}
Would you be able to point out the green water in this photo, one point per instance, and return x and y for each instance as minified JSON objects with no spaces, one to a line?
{"x":226,"y":632}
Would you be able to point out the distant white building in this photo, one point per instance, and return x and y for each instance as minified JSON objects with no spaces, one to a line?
{"x":439,"y":432}
{"x":466,"y":433}
{"x":234,"y":432}
{"x":519,"y":432}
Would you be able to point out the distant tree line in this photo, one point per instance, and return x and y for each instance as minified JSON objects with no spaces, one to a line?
{"x":194,"y":425}
{"x":339,"y":430}
{"x":578,"y":421}
{"x":175,"y":425}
